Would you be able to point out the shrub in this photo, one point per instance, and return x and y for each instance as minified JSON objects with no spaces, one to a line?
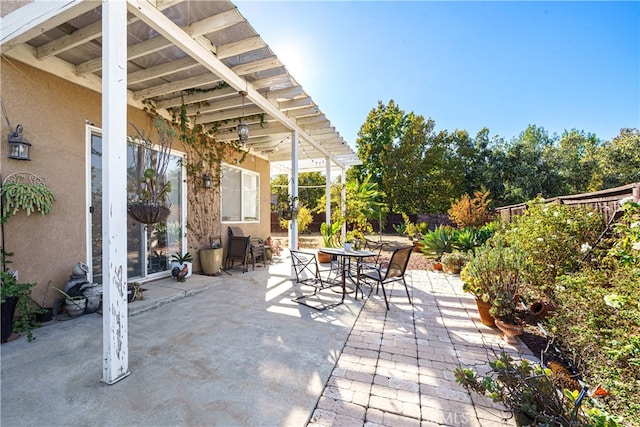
{"x":597,"y":324}
{"x":471,"y":212}
{"x":552,"y":237}
{"x":494,"y":275}
{"x":528,"y":391}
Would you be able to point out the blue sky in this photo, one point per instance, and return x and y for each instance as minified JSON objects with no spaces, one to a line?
{"x":467,"y":65}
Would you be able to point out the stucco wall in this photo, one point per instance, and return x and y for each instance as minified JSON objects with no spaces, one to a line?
{"x":54,"y":113}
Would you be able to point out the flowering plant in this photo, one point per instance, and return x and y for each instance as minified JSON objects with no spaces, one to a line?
{"x":627,"y":246}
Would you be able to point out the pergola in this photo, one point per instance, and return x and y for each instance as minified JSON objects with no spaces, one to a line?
{"x":166,"y":52}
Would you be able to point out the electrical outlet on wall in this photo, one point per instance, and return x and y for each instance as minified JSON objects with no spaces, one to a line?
{"x":14,"y":273}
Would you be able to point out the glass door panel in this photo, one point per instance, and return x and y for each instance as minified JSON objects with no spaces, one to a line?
{"x":149,"y":248}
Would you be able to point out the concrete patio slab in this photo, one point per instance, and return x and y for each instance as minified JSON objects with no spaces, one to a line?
{"x":235,"y":350}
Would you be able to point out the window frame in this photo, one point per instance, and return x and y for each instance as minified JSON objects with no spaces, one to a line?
{"x":243,"y":174}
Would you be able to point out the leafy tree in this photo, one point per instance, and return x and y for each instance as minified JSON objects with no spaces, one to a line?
{"x":443,"y":178}
{"x":618,"y":161}
{"x":574,"y":158}
{"x":310,"y":188}
{"x":527,"y":171}
{"x":404,"y":180}
{"x":382,"y":128}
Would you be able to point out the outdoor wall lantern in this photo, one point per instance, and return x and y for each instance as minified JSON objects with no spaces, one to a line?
{"x":243,"y":127}
{"x":207,"y":182}
{"x":18,"y":145}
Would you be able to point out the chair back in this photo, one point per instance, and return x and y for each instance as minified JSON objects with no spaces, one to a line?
{"x":374,"y":247}
{"x":305,"y":265}
{"x":398,"y":263}
{"x":238,"y":247}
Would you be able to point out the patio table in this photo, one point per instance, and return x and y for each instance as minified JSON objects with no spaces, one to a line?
{"x":344,"y":261}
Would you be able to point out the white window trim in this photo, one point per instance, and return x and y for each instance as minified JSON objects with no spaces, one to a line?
{"x":243,"y":172}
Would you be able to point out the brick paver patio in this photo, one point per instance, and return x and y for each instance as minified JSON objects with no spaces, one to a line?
{"x":396,"y":366}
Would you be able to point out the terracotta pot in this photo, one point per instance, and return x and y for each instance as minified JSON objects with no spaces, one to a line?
{"x":437,"y":266}
{"x":324,"y":258}
{"x":509,"y":331}
{"x":485,"y":316}
{"x":541,"y":309}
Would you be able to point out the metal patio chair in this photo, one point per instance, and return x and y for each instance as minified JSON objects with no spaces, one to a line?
{"x":393,"y":273}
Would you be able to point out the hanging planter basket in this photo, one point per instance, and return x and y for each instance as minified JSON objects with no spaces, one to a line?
{"x":287,"y":214}
{"x":148,"y":212}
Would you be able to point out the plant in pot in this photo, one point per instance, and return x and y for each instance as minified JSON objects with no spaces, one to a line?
{"x":330,"y":235}
{"x":149,"y":203}
{"x":211,"y":257}
{"x":454,"y":261}
{"x":289,"y":208}
{"x":74,"y":305}
{"x":181,"y":265}
{"x":15,"y":298}
{"x":493,"y":276}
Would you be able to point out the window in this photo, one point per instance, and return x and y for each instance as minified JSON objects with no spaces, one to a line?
{"x":240,"y":194}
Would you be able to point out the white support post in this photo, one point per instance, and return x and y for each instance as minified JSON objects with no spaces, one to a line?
{"x":327,"y":191}
{"x":343,"y":202}
{"x":115,"y":333}
{"x":293,"y":191}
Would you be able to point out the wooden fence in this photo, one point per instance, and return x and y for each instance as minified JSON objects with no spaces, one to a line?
{"x":604,"y":201}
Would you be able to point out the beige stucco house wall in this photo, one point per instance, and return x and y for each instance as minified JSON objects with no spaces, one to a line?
{"x":54,"y":113}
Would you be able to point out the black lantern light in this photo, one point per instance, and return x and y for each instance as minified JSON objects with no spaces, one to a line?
{"x":243,"y":127}
{"x":207,"y":182}
{"x":18,"y":145}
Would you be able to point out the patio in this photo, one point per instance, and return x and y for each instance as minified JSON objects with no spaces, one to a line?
{"x":235,"y":350}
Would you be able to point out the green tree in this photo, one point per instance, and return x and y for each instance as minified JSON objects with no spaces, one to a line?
{"x":404,"y":180}
{"x":527,"y":170}
{"x":382,"y":128}
{"x":310,"y":188}
{"x":574,"y":160}
{"x":618,"y":161}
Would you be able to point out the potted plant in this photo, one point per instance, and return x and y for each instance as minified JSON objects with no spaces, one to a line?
{"x":211,"y":257}
{"x":25,"y":192}
{"x":134,"y":292}
{"x":181,"y":265}
{"x":493,"y":277}
{"x":15,"y":297}
{"x":330,"y":233}
{"x":289,"y":209}
{"x":454,"y":261}
{"x":74,"y":305}
{"x":149,"y":203}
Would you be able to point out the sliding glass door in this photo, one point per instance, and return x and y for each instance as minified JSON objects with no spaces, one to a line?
{"x":149,"y":247}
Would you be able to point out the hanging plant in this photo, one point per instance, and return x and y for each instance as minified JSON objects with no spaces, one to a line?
{"x":25,"y":192}
{"x":150,"y":203}
{"x":289,"y":209}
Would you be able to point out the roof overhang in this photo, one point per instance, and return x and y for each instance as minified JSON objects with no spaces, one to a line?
{"x":204,"y":53}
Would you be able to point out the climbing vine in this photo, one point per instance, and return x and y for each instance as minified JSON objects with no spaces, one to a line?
{"x":203,"y":157}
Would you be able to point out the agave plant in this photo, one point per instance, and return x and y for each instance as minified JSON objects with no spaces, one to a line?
{"x":439,"y":241}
